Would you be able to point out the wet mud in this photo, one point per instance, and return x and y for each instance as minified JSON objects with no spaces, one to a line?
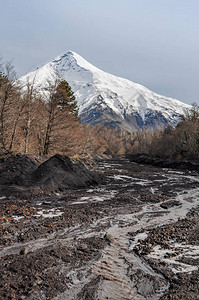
{"x":135,"y":235}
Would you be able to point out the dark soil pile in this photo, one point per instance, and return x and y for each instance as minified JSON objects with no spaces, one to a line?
{"x":25,"y":175}
{"x":164,"y":163}
{"x":59,"y":173}
{"x":14,"y":169}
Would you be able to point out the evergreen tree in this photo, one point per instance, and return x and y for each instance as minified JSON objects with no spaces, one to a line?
{"x":65,"y":97}
{"x":62,"y":114}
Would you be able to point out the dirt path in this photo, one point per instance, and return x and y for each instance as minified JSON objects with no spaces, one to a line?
{"x":136,"y":236}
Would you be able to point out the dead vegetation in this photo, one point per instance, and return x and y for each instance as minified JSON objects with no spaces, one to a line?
{"x":36,"y":124}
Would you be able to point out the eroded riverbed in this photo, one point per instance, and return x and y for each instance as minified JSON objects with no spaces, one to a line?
{"x":136,"y":236}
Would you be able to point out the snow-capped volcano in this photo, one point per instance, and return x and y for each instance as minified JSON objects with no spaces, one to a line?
{"x":108,"y":99}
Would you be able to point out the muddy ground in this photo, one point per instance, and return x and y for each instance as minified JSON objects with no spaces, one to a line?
{"x":135,"y":235}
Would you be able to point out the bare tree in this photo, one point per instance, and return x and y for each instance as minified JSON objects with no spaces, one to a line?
{"x":29,"y":105}
{"x":8,"y":91}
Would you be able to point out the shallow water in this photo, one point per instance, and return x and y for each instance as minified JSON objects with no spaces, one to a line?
{"x":128,"y":206}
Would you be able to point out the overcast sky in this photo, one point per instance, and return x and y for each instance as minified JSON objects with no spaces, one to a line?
{"x":151,"y":42}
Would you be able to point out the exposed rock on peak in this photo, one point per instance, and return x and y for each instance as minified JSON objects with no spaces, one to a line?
{"x":108,"y":99}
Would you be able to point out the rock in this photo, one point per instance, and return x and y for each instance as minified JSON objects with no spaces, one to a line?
{"x":169,"y":204}
{"x":23,"y":251}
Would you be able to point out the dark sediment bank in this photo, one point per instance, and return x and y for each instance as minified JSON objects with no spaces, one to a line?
{"x":23,"y":174}
{"x":164,"y":163}
{"x":136,"y":231}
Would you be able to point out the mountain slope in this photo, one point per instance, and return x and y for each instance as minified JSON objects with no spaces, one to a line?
{"x":108,"y":99}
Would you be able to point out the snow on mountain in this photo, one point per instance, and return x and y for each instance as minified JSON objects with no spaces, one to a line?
{"x":108,"y":99}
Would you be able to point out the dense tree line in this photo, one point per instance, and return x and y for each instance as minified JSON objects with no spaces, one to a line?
{"x":31,"y":123}
{"x":44,"y":125}
{"x":181,"y":142}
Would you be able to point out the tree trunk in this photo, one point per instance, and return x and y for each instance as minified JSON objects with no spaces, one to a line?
{"x":27,"y":134}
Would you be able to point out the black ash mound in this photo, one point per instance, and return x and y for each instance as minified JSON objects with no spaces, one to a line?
{"x":59,"y":173}
{"x":164,"y":163}
{"x":23,"y":174}
{"x":14,"y":169}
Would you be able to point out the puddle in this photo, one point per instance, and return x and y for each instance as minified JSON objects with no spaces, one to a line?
{"x":48,"y":213}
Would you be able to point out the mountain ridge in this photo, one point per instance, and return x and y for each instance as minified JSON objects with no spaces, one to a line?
{"x":109,"y":99}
